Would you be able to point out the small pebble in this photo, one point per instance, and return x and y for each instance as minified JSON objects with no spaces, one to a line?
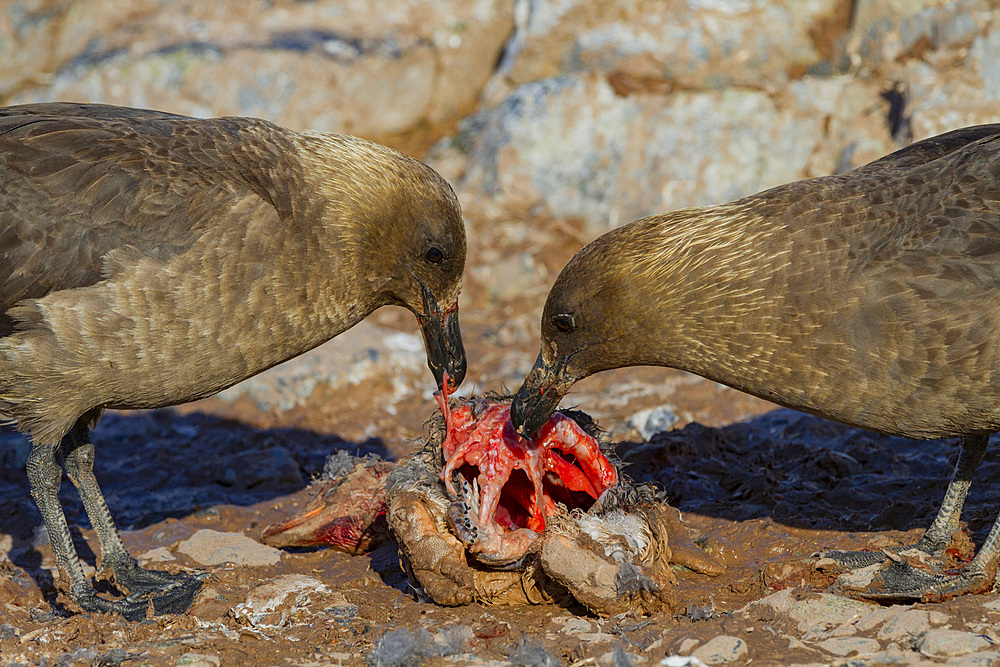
{"x":688,"y":644}
{"x":849,"y":645}
{"x":910,"y":623}
{"x":199,"y":660}
{"x":682,"y":661}
{"x":876,"y":618}
{"x":576,"y":626}
{"x":981,"y":659}
{"x":722,"y":650}
{"x":942,"y":643}
{"x":157,"y":555}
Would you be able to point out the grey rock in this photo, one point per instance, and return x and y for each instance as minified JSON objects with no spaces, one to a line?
{"x":957,"y":85}
{"x":325,"y":66}
{"x":937,"y":617}
{"x":199,"y":660}
{"x":157,"y":555}
{"x":942,"y":643}
{"x":721,"y":650}
{"x":618,"y":160}
{"x":210,"y":547}
{"x":885,"y":31}
{"x":688,"y":644}
{"x":892,"y":655}
{"x":981,"y":659}
{"x":849,"y":645}
{"x":876,"y":618}
{"x":650,"y":43}
{"x":846,"y":630}
{"x":814,"y":611}
{"x":905,"y":625}
{"x":575,"y":625}
{"x":653,"y":420}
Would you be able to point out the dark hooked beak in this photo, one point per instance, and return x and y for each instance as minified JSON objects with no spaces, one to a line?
{"x":443,"y":341}
{"x":538,"y":396}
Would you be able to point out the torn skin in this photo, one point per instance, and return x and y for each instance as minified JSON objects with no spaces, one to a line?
{"x":510,"y":485}
{"x":346,"y":514}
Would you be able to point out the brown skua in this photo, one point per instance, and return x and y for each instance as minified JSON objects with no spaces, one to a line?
{"x":870,"y":297}
{"x":147,"y":259}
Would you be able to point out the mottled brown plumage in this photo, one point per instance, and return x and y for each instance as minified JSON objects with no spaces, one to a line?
{"x":148,"y":259}
{"x":870,"y":297}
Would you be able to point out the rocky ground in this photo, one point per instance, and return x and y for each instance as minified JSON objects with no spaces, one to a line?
{"x":194,"y":491}
{"x":555,"y":121}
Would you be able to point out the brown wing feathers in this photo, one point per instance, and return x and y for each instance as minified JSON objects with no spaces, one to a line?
{"x":77,"y":187}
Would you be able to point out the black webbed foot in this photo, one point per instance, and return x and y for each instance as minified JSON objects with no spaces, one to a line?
{"x":137,"y":580}
{"x":174,"y":597}
{"x":901,"y":580}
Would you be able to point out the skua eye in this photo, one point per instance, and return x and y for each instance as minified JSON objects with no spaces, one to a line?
{"x":434,"y":255}
{"x":564,"y":322}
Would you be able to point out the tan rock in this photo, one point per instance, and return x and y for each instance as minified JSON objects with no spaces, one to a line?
{"x":330,"y":66}
{"x":652,"y":45}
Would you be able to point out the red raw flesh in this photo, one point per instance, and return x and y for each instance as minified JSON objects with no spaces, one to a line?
{"x":561,"y":460}
{"x":344,"y":533}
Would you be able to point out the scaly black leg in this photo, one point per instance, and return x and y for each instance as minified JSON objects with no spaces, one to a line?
{"x":939,"y":535}
{"x":177,"y":591}
{"x":45,"y":477}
